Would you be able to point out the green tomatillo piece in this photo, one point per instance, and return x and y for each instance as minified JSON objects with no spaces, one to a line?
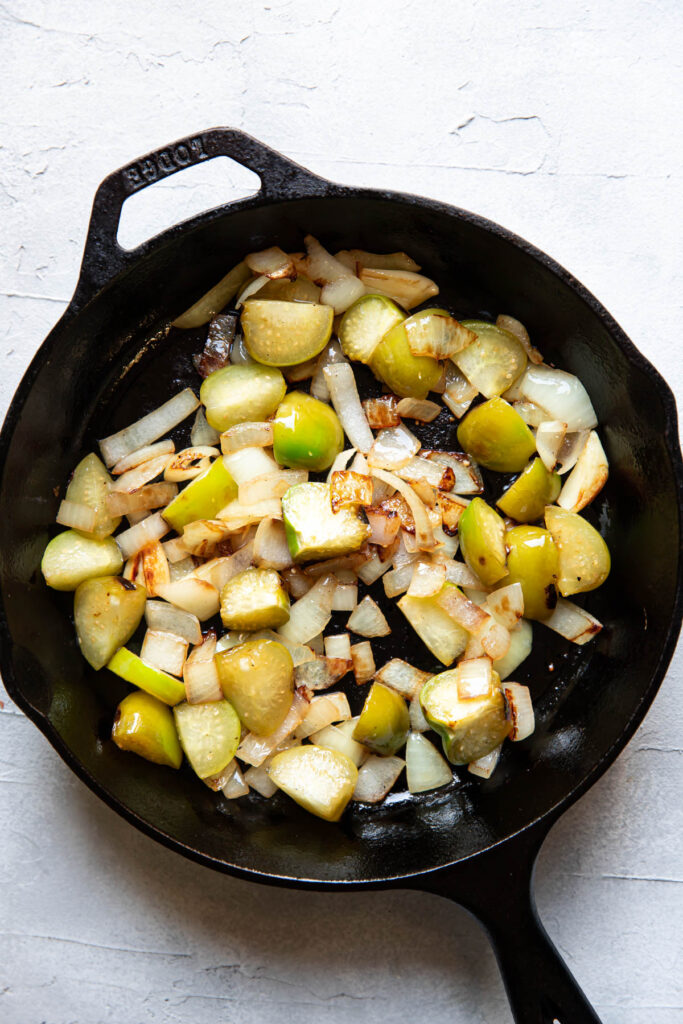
{"x":314,"y":531}
{"x":384,"y":722}
{"x":257,"y":677}
{"x":307,"y":433}
{"x":254,"y":599}
{"x":525,"y":499}
{"x":281,"y":333}
{"x":405,"y":374}
{"x":496,"y":436}
{"x":152,"y":680}
{"x":482,"y":541}
{"x":72,"y":557}
{"x":202,"y":498}
{"x":533,"y":562}
{"x":107,"y":611}
{"x":365,"y":323}
{"x":469,"y":728}
{"x":321,"y":781}
{"x":237,"y":394}
{"x":494,"y":360}
{"x":584,"y":558}
{"x":144,"y":726}
{"x":89,"y":485}
{"x":209,"y":734}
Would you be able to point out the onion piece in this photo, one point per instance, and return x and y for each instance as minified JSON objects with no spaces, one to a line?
{"x":310,"y":614}
{"x":255,"y":749}
{"x":247,"y":435}
{"x":121,"y":503}
{"x":428,"y":471}
{"x":323,"y":711}
{"x":334,"y":738}
{"x":200,"y":674}
{"x":587,"y":478}
{"x":251,"y":288}
{"x":154,"y":564}
{"x":451,"y":509}
{"x":521,"y":641}
{"x":402,"y":677}
{"x":349,"y":489}
{"x":166,"y":618}
{"x":236,"y":516}
{"x":549,"y":438}
{"x":345,"y":597}
{"x":468,"y":479}
{"x":296,"y":581}
{"x":189,"y":463}
{"x":321,"y":266}
{"x":338,"y":646}
{"x":270,"y":485}
{"x":382,"y":412}
{"x":363,"y":661}
{"x":485,"y":766}
{"x":373,"y":569}
{"x":532,"y":414}
{"x":404,"y":286}
{"x":339,"y":562}
{"x":149,"y":427}
{"x":300,"y":371}
{"x":164,"y":651}
{"x":215,"y":299}
{"x":136,"y":478}
{"x":194,"y":595}
{"x":145,"y":532}
{"x":248,"y":463}
{"x":437,"y":335}
{"x":393,"y":448}
{"x":342,"y":293}
{"x":506,"y":605}
{"x":175,"y":550}
{"x":418,"y":409}
{"x":463,"y":611}
{"x":461,"y":575}
{"x":398,"y":580}
{"x":344,"y":394}
{"x":331,"y":354}
{"x":341,"y":462}
{"x":233,"y":784}
{"x":353,"y":258}
{"x":513,"y":326}
{"x":561,"y":394}
{"x":178,"y":570}
{"x":217,"y":571}
{"x":428,"y":578}
{"x":376,"y":777}
{"x":425,"y":767}
{"x":273,"y":263}
{"x":572,"y":622}
{"x":418,"y":722}
{"x":144,"y":454}
{"x":319,"y":672}
{"x":270,"y":545}
{"x":520,"y":710}
{"x":76,"y":516}
{"x":474,"y":678}
{"x":368,"y":619}
{"x":238,"y":353}
{"x":423,"y":529}
{"x":384,"y":526}
{"x":260,"y":780}
{"x":201,"y":536}
{"x":458,"y":394}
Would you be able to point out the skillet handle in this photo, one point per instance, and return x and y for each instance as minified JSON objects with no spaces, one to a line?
{"x":103,"y":257}
{"x":497,"y":888}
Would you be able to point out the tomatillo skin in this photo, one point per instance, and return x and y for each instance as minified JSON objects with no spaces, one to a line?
{"x":307,"y":433}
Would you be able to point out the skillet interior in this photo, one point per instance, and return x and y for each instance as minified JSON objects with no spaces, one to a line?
{"x":114,"y":361}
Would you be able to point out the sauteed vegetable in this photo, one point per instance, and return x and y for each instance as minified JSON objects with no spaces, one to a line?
{"x":249,"y":553}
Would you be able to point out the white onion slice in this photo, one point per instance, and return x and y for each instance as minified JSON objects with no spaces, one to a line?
{"x":149,"y":427}
{"x":549,"y":438}
{"x":521,"y":641}
{"x":404,"y":286}
{"x":561,"y":394}
{"x":513,"y":326}
{"x":168,"y":619}
{"x":202,"y":432}
{"x":334,"y":738}
{"x":76,"y":516}
{"x":393,"y":448}
{"x":164,"y":651}
{"x":238,"y":351}
{"x":532,"y":414}
{"x":463,"y":611}
{"x":200,"y":674}
{"x":144,"y":454}
{"x":272,"y":262}
{"x":250,"y":290}
{"x":345,"y":597}
{"x":136,"y":478}
{"x":247,"y":435}
{"x":123,"y":503}
{"x":371,"y":571}
{"x":474,"y":678}
{"x":382,"y":412}
{"x":217,"y":571}
{"x":255,"y":749}
{"x":425,"y":767}
{"x":571,"y":448}
{"x":353,"y":258}
{"x":418,"y":722}
{"x":344,"y":394}
{"x":237,"y":516}
{"x":402,"y":677}
{"x":341,"y":462}
{"x":201,"y":536}
{"x":233,"y":784}
{"x":376,"y":777}
{"x":467,"y":478}
{"x":320,"y":672}
{"x":194,"y":595}
{"x":458,"y":394}
{"x":310,"y":614}
{"x":506,"y":604}
{"x":363,"y":661}
{"x":270,"y":485}
{"x":418,"y":409}
{"x":398,"y":580}
{"x":248,"y":463}
{"x":368,"y":619}
{"x":177,"y":570}
{"x":323,"y":711}
{"x":330,"y":355}
{"x":338,"y":646}
{"x":342,"y":293}
{"x":485,"y":766}
{"x":216,"y":299}
{"x":461,"y":575}
{"x":155,"y":569}
{"x":520,"y":709}
{"x":134,"y":539}
{"x":572,"y":622}
{"x":321,"y":266}
{"x":270,"y":545}
{"x":175,"y":550}
{"x":587,"y":478}
{"x":428,"y":578}
{"x":384,"y":525}
{"x":189,"y":463}
{"x":260,"y":780}
{"x":423,"y":529}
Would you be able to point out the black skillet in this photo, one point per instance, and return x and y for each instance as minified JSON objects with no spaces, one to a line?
{"x":111,"y":358}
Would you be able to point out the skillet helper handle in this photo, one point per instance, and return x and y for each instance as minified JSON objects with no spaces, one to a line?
{"x":497,"y":888}
{"x":103,"y":257}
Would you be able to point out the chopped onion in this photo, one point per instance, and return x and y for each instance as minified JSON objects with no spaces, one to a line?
{"x":155,"y":571}
{"x":363,"y":661}
{"x":270,"y":485}
{"x":371,"y":571}
{"x":259,"y":779}
{"x":215,"y":299}
{"x":398,"y":580}
{"x":272,"y":262}
{"x":345,"y":597}
{"x":353,"y":258}
{"x":194,"y":595}
{"x":384,"y":524}
{"x":177,"y":570}
{"x":461,"y":575}
{"x":323,"y":711}
{"x":495,"y":639}
{"x":572,"y":622}
{"x":248,"y":463}
{"x":144,"y":454}
{"x":571,"y":448}
{"x":237,"y":516}
{"x":333,"y":738}
{"x":382,"y":412}
{"x":520,"y":710}
{"x":437,"y":336}
{"x":200,"y":674}
{"x":418,"y":409}
{"x":330,"y":355}
{"x":549,"y":438}
{"x":368,"y":620}
{"x":349,"y":489}
{"x":506,"y":604}
{"x":166,"y":618}
{"x":463,"y":611}
{"x":136,"y":478}
{"x":532,"y":414}
{"x":561,"y":394}
{"x":121,"y":503}
{"x":234,"y":785}
{"x":587,"y":478}
{"x":521,"y":640}
{"x":164,"y":651}
{"x":255,"y":749}
{"x":342,"y":293}
{"x":145,"y":532}
{"x":418,"y":722}
{"x":201,"y":536}
{"x":425,"y":767}
{"x":340,"y":562}
{"x":250,"y":290}
{"x":310,"y":614}
{"x":376,"y":777}
{"x":76,"y":516}
{"x":393,"y":448}
{"x":270,"y":545}
{"x":344,"y":394}
{"x":338,"y":646}
{"x":513,"y":326}
{"x":404,"y":286}
{"x":402,"y":677}
{"x":321,"y":266}
{"x":319,"y":672}
{"x":474,"y":678}
{"x":485,"y":766}
{"x":149,"y":428}
{"x":423,"y":529}
{"x":300,"y":371}
{"x":247,"y":435}
{"x":238,"y":353}
{"x":189,"y":463}
{"x":428,"y":578}
{"x":341,"y":462}
{"x":468,"y":479}
{"x":451,"y":509}
{"x":175,"y":550}
{"x":297,"y":581}
{"x":458,"y":394}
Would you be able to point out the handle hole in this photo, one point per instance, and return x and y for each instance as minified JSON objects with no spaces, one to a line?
{"x":194,"y":190}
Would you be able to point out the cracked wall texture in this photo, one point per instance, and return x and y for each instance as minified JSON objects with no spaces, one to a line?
{"x":563,"y":123}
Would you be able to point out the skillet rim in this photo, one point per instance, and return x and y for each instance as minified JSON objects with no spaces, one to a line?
{"x":321,"y":189}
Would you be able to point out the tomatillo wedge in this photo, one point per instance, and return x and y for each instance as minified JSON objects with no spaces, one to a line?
{"x":307,"y":433}
{"x":405,"y":374}
{"x":89,"y":485}
{"x":496,"y":436}
{"x":72,"y":557}
{"x":279,"y":333}
{"x":107,"y":611}
{"x":203,"y":497}
{"x":257,"y":677}
{"x":254,"y":599}
{"x":494,"y":360}
{"x":144,"y":725}
{"x":468,"y":728}
{"x":526,"y":498}
{"x":384,"y":722}
{"x":584,"y":558}
{"x":237,"y":394}
{"x":365,"y":323}
{"x":533,"y":561}
{"x":152,"y":680}
{"x":314,"y":531}
{"x":482,"y":540}
{"x":209,"y":734}
{"x":321,"y":781}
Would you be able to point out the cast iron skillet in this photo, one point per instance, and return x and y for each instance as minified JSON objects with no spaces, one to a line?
{"x":111,"y":358}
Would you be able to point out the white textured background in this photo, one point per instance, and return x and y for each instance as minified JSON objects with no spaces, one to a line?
{"x":563,"y":123}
